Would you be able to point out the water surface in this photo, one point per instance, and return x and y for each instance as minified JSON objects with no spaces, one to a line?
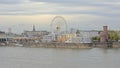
{"x":20,"y":57}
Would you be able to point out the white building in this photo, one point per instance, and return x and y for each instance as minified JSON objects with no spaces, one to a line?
{"x":83,"y":37}
{"x":79,"y":40}
{"x":72,"y":37}
{"x":35,"y":33}
{"x":3,"y":36}
{"x":47,"y":38}
{"x":89,"y":34}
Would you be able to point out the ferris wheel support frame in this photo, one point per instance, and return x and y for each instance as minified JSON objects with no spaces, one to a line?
{"x":52,"y":31}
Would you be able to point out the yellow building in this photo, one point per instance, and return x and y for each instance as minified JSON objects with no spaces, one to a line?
{"x":63,"y":38}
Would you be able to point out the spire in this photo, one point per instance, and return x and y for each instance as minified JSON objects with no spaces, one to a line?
{"x":33,"y":27}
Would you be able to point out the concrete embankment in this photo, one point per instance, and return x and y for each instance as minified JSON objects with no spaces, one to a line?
{"x":72,"y":45}
{"x":58,"y":45}
{"x":107,"y":45}
{"x":116,"y":45}
{"x":67,"y":45}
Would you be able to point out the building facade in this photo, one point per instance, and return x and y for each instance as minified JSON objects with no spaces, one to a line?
{"x":104,"y":35}
{"x":83,"y":37}
{"x":3,"y":39}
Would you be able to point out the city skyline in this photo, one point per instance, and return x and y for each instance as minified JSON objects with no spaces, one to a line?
{"x":20,"y":15}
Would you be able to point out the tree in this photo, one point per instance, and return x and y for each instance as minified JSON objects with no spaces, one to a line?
{"x":113,"y":35}
{"x":96,"y":38}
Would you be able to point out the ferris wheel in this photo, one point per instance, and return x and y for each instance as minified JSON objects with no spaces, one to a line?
{"x":58,"y":25}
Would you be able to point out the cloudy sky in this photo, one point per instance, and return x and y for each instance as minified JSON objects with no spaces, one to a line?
{"x":20,"y":15}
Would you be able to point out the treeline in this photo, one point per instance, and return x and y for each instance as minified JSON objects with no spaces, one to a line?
{"x":113,"y":35}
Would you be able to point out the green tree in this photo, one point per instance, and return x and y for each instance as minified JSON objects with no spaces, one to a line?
{"x":96,"y":38}
{"x":113,"y":35}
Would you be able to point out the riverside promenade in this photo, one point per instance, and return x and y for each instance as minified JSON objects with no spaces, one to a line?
{"x":73,"y":45}
{"x":58,"y":45}
{"x":65,"y":45}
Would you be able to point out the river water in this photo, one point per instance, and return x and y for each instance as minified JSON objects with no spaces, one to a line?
{"x":20,"y":57}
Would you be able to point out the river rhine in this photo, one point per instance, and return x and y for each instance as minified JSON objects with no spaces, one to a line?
{"x":20,"y":57}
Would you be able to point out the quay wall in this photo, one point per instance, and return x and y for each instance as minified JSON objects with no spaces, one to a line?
{"x":116,"y":45}
{"x":73,"y":45}
{"x":107,"y":45}
{"x":66,"y":45}
{"x":58,"y":45}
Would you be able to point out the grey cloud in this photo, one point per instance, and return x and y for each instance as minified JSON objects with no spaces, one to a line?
{"x":103,"y":9}
{"x":115,"y":15}
{"x":58,"y":1}
{"x":10,"y":1}
{"x":79,"y":2}
{"x":73,"y":1}
{"x":66,"y":2}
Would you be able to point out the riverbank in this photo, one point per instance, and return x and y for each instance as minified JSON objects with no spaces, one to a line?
{"x":58,"y":45}
{"x":66,"y":45}
{"x":72,"y":45}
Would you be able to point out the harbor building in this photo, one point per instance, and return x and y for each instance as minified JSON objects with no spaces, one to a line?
{"x":35,"y":35}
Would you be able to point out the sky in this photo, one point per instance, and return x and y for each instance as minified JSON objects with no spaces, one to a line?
{"x":21,"y":15}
